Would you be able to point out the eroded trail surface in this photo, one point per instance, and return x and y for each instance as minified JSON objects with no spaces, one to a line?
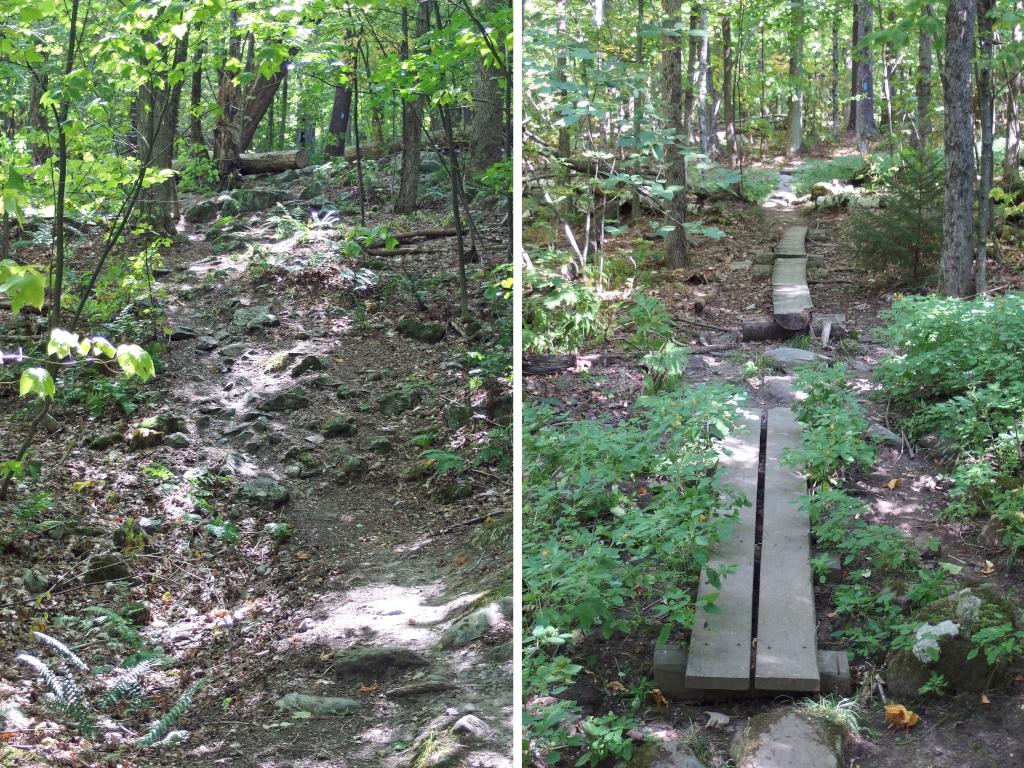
{"x":346,"y":597}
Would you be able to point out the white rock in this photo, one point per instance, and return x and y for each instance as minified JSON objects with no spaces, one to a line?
{"x":926,"y":639}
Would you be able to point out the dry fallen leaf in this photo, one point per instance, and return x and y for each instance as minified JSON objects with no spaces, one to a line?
{"x":988,"y":569}
{"x":461,"y":561}
{"x":985,"y":699}
{"x":302,"y":555}
{"x":616,"y":686}
{"x":658,"y":698}
{"x":898,"y":716}
{"x":369,"y":688}
{"x":893,"y":484}
{"x":716,"y":720}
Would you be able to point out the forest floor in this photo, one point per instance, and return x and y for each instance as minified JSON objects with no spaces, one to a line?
{"x":718,"y":292}
{"x":287,"y":397}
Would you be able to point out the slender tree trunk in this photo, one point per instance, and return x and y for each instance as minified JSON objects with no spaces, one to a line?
{"x":691,"y":71}
{"x":866,"y":127}
{"x":283,"y":131}
{"x":412,"y":120}
{"x":795,"y":118}
{"x":703,"y":66}
{"x":855,"y":36}
{"x":834,"y":90}
{"x":1014,"y":89}
{"x":672,"y":98}
{"x":560,"y":62}
{"x":638,"y":102}
{"x":227,"y":127}
{"x":195,"y":120}
{"x":727,"y":93}
{"x":957,"y":220}
{"x":157,"y":116}
{"x":987,"y":107}
{"x":924,"y":83}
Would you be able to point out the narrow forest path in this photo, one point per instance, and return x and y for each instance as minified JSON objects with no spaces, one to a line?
{"x":381,"y":572}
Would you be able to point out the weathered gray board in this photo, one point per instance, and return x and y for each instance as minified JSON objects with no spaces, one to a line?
{"x":787,"y":647}
{"x":790,"y":295}
{"x":792,"y":242}
{"x":719,"y":654}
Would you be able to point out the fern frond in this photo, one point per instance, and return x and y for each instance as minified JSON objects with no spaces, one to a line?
{"x":158,"y":731}
{"x":128,"y":683}
{"x":117,"y":625}
{"x":66,"y":653}
{"x":53,"y":681}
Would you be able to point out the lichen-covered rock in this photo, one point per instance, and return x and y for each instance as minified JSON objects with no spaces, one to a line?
{"x":788,"y":738}
{"x":202,"y":212}
{"x":257,"y":199}
{"x":472,"y":627}
{"x":34,"y":581}
{"x":254,"y":317}
{"x":399,"y":401}
{"x":264,"y":492}
{"x":317,"y":705}
{"x":293,"y":399}
{"x":307,"y":364}
{"x":338,"y":426}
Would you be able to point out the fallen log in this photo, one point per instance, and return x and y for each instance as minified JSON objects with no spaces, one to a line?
{"x":764,"y":330}
{"x":273,"y":162}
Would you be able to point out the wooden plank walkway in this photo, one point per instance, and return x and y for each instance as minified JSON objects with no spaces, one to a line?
{"x":791,"y":244}
{"x":790,"y":296}
{"x":719,"y":657}
{"x":786,"y":657}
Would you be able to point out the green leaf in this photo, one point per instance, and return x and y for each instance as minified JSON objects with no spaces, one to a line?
{"x":135,"y":361}
{"x":103,"y":346}
{"x":61,"y":343}
{"x":37,"y":381}
{"x":24,"y":284}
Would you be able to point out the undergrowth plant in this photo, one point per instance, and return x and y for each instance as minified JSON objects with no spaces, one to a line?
{"x":619,"y":518}
{"x":957,"y":377}
{"x":124,"y":689}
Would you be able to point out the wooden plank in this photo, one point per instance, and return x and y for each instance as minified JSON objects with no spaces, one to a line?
{"x":787,"y":646}
{"x":792,"y":242}
{"x":719,"y":657}
{"x":790,"y":296}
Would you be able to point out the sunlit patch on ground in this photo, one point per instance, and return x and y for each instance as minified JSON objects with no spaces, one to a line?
{"x":387,"y":613}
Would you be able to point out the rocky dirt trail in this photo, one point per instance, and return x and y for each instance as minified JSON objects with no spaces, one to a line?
{"x":365,"y":617}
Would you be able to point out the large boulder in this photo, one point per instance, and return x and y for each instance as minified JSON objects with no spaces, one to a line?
{"x":787,"y":358}
{"x":788,"y":738}
{"x":254,"y":317}
{"x":202,"y":212}
{"x":256,"y":199}
{"x":264,"y":492}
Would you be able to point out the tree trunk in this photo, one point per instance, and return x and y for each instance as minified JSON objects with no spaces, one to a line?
{"x":727,"y":94}
{"x":834,"y":89}
{"x":283,"y":131}
{"x":855,"y":35}
{"x":157,"y":123}
{"x":273,"y":162}
{"x":691,"y":71}
{"x":866,"y":127}
{"x":1014,"y":87}
{"x":560,"y":62}
{"x":412,"y":120}
{"x":924,"y":83}
{"x":338,"y":128}
{"x":195,"y":121}
{"x":638,"y":102}
{"x":260,"y":96}
{"x":487,"y":131}
{"x":703,"y":67}
{"x":227,"y":126}
{"x":957,"y":220}
{"x":986,"y":105}
{"x":672,"y":98}
{"x":795,"y":118}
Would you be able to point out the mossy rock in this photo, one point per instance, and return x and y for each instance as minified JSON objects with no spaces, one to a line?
{"x":106,"y":440}
{"x":456,"y":416}
{"x":168,"y":423}
{"x":107,"y":567}
{"x":293,"y":399}
{"x":339,"y":426}
{"x":430,"y":333}
{"x":400,"y":400}
{"x":351,"y":468}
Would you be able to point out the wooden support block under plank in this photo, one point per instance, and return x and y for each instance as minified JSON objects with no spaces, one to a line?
{"x":790,"y":296}
{"x":719,"y":653}
{"x":787,"y":645}
{"x":792,"y":243}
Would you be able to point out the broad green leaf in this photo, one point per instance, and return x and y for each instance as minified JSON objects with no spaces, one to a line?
{"x":36,"y":381}
{"x":135,"y":361}
{"x":61,"y":343}
{"x":25,"y":285}
{"x":103,"y":346}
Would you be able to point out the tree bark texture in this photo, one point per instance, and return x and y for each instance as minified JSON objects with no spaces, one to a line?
{"x":672,"y":98}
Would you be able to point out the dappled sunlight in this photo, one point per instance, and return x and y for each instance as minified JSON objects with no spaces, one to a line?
{"x":387,"y":613}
